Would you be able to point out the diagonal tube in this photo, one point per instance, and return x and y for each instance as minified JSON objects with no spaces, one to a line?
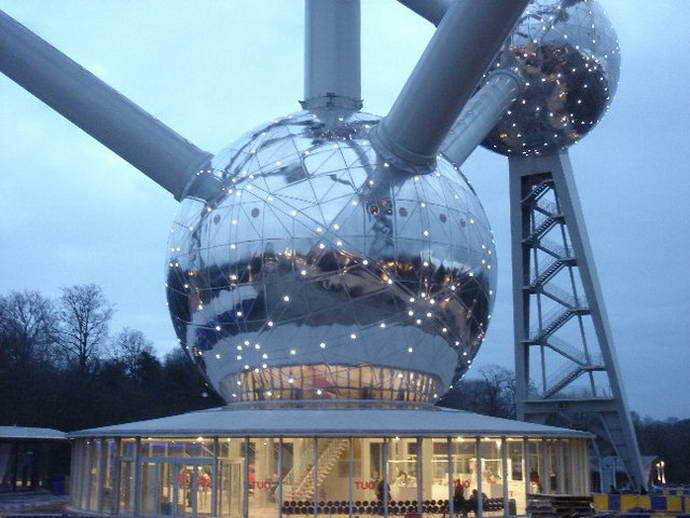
{"x":445,"y":77}
{"x":486,"y":106}
{"x":332,"y":54}
{"x":431,"y":10}
{"x":106,"y":115}
{"x":480,"y":114}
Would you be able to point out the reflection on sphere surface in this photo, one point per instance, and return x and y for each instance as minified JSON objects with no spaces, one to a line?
{"x":568,"y":54}
{"x":325,"y":273}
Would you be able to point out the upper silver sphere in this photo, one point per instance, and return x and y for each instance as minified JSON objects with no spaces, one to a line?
{"x":324,"y":272}
{"x":568,"y":54}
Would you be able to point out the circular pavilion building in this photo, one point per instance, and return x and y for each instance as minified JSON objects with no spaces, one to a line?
{"x":273,"y":461}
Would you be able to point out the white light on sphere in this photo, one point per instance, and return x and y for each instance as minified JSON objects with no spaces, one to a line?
{"x":329,"y":186}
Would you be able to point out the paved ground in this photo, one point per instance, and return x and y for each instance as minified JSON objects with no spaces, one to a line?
{"x":30,"y":502}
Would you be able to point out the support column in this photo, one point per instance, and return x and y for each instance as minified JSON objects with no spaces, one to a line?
{"x":451,"y":492}
{"x":528,"y":469}
{"x":279,"y":489}
{"x":419,"y":473}
{"x":215,"y":486}
{"x":504,"y":470}
{"x":136,"y":505}
{"x":478,"y":455}
{"x":350,"y":469}
{"x":535,"y":221}
{"x":315,"y":472}
{"x":332,"y":54}
{"x":386,"y":476}
{"x":245,"y":476}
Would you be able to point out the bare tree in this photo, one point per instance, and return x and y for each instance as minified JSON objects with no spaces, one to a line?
{"x":27,"y":326}
{"x":129,"y":346}
{"x":84,"y":317}
{"x":491,"y":393}
{"x":498,"y":390}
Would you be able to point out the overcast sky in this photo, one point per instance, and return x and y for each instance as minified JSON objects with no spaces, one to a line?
{"x":73,"y":212}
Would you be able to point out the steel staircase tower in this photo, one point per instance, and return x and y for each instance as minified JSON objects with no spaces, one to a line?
{"x":566,"y":366}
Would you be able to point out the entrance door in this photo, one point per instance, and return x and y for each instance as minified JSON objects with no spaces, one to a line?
{"x":177,"y":487}
{"x":195,"y":492}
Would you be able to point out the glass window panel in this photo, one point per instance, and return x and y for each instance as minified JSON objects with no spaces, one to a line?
{"x":434,"y":471}
{"x":201,"y":447}
{"x":231,"y":466}
{"x":165,"y":488}
{"x":333,"y":475}
{"x":128,"y":447}
{"x":108,"y":455}
{"x":85,"y":470}
{"x":93,"y":476}
{"x":263,"y":477}
{"x":297,"y":479}
{"x":516,"y":475}
{"x":566,"y":468}
{"x":536,"y":465}
{"x":126,"y":495}
{"x":492,"y":477}
{"x":402,"y":473}
{"x":149,"y":487}
{"x":464,"y":475}
{"x":552,"y":464}
{"x":205,"y":487}
{"x":367,"y":472}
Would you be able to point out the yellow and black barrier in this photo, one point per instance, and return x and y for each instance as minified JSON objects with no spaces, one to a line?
{"x":667,"y":504}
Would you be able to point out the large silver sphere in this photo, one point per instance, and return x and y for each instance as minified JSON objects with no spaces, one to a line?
{"x":325,"y":273}
{"x":568,"y":53}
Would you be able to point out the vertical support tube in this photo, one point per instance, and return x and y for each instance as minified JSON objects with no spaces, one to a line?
{"x":385,"y":476}
{"x":527,"y":471}
{"x":136,"y":505}
{"x":115,"y":493}
{"x":332,"y":54}
{"x":245,"y":475}
{"x":519,"y":227}
{"x":478,"y":455}
{"x":93,"y":453}
{"x":279,"y":489}
{"x":315,"y":473}
{"x":504,"y":470}
{"x":451,"y":493}
{"x":445,"y":77}
{"x":215,"y":486}
{"x":420,"y":477}
{"x":102,"y":464}
{"x":350,"y":469}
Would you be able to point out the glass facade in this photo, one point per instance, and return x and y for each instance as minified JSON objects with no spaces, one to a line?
{"x":243,"y":477}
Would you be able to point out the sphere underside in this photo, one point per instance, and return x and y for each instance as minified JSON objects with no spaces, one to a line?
{"x":568,"y":54}
{"x":325,"y":273}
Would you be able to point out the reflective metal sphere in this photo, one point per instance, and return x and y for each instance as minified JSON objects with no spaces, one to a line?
{"x":326,"y":273}
{"x":568,"y":53}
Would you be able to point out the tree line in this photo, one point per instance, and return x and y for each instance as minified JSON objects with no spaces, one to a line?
{"x":61,"y":367}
